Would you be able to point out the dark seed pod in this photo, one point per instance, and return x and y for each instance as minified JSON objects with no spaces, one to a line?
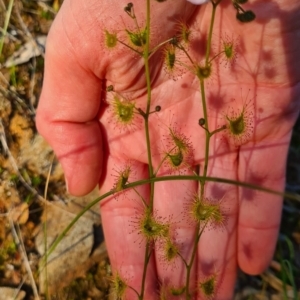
{"x":174,"y":41}
{"x":110,"y":88}
{"x":128,"y":7}
{"x":157,"y":108}
{"x":246,"y":16}
{"x":201,"y":121}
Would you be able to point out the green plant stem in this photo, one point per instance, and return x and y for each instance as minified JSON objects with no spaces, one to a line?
{"x":146,"y":261}
{"x":148,"y":143}
{"x":159,"y":46}
{"x":186,"y":53}
{"x":129,"y":47}
{"x":134,"y":290}
{"x":206,"y":154}
{"x":141,"y":197}
{"x":203,"y":97}
{"x":148,"y":81}
{"x":212,"y":20}
{"x":288,"y":195}
{"x":207,"y":135}
{"x":217,"y":130}
{"x":163,"y":160}
{"x":150,"y":167}
{"x":160,"y":164}
{"x":189,"y":267}
{"x":135,"y":21}
{"x":183,"y":260}
{"x":217,"y":55}
{"x":67,"y":229}
{"x":166,"y":178}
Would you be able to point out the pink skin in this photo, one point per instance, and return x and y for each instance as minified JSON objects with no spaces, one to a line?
{"x":265,"y":76}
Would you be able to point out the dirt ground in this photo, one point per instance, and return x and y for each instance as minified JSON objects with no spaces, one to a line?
{"x":34,"y":205}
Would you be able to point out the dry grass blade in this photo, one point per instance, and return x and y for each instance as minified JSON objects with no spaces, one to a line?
{"x":6,"y":22}
{"x":15,"y":166}
{"x":22,"y":250}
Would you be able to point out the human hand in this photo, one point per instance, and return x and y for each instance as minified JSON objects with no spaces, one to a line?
{"x":78,"y":67}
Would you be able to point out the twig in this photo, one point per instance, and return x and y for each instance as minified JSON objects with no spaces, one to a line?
{"x":6,"y":22}
{"x":22,"y":250}
{"x":14,"y":165}
{"x":10,"y":94}
{"x":24,"y":27}
{"x":33,"y":41}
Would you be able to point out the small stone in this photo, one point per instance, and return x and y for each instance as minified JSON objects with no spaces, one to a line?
{"x":11,"y":294}
{"x":20,"y":213}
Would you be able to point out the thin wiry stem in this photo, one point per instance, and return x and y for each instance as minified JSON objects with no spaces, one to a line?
{"x":22,"y":250}
{"x":148,"y":142}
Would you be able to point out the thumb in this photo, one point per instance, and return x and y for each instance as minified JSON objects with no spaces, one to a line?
{"x":67,"y":114}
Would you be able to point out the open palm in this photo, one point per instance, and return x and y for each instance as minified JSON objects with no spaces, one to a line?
{"x":263,"y":79}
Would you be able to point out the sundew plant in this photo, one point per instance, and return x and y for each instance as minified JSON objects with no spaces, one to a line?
{"x":177,"y":125}
{"x":199,"y":55}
